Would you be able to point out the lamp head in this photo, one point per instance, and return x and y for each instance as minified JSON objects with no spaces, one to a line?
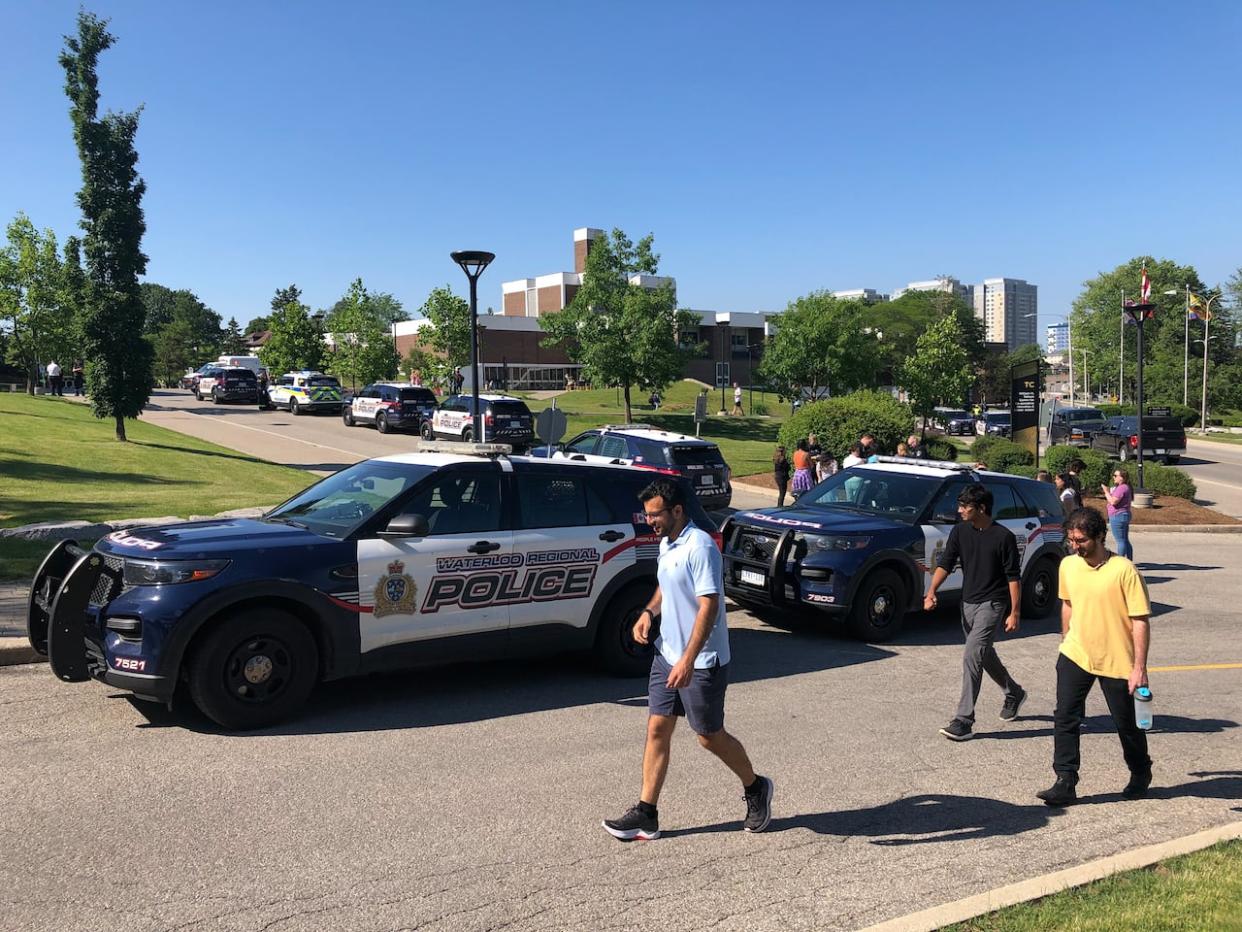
{"x":472,"y":261}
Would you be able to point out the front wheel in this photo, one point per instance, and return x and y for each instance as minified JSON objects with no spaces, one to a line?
{"x":467,"y":435}
{"x":427,"y":432}
{"x":255,"y":668}
{"x":1039,"y":589}
{"x":215,"y":397}
{"x":879,"y":606}
{"x":615,"y":646}
{"x":294,"y":408}
{"x":347,"y":415}
{"x":381,"y":422}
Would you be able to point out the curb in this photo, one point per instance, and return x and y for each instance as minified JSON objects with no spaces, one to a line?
{"x":971,"y":907}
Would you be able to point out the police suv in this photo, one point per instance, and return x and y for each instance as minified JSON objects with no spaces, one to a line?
{"x":645,"y":446}
{"x":400,"y":561}
{"x":863,"y":544}
{"x":390,"y":406}
{"x":505,"y":420}
{"x":305,"y":392}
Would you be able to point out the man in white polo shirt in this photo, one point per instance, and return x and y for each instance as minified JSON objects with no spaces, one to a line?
{"x":690,"y":670}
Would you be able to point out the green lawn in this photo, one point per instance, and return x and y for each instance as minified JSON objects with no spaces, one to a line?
{"x":59,"y":463}
{"x":746,"y":442}
{"x":1200,"y":891}
{"x":1216,"y":438}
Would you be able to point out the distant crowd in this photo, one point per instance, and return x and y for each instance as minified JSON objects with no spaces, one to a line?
{"x":811,"y":463}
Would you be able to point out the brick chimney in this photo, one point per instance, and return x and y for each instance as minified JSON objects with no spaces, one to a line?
{"x":583,"y":238}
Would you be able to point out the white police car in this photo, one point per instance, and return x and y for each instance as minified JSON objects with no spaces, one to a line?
{"x":306,"y":392}
{"x":863,"y":544}
{"x":505,"y":420}
{"x":405,"y":560}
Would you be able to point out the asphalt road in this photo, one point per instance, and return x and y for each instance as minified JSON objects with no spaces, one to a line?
{"x":470,"y":797}
{"x":1217,"y":471}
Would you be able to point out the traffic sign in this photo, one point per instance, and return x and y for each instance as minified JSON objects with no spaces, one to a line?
{"x":551,"y":424}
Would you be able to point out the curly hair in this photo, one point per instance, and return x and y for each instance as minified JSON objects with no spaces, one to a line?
{"x":1087,"y":521}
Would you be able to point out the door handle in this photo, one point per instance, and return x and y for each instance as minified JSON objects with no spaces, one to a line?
{"x":1031,"y":525}
{"x":610,"y":536}
{"x":483,"y":546}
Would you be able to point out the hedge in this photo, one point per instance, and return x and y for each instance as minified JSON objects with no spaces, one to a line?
{"x":839,"y":422}
{"x":1157,"y":478}
{"x":940,"y":449}
{"x":1188,"y":416}
{"x":1098,"y":471}
{"x":1000,"y":454}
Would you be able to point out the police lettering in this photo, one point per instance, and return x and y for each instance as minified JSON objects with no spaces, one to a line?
{"x":506,"y":587}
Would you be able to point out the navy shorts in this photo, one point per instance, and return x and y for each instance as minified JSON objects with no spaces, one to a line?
{"x":702,"y":702}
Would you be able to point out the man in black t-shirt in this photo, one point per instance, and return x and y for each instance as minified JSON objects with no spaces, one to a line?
{"x":990,"y":593}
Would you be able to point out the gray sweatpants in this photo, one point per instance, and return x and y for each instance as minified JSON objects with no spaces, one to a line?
{"x":980,"y":622}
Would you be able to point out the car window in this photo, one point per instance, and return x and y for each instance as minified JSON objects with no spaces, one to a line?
{"x":706,"y":454}
{"x":459,"y":503}
{"x":420,"y":395}
{"x":895,"y":495}
{"x":613,"y":447}
{"x":339,"y":503}
{"x":945,"y":507}
{"x":1041,"y":499}
{"x":648,"y":451}
{"x":583,"y":444}
{"x":552,"y":500}
{"x":510,"y":409}
{"x":285,"y":380}
{"x":1004,"y":504}
{"x":325,"y":380}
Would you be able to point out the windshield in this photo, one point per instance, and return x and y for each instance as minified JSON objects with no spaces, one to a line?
{"x":998,"y":418}
{"x":1086,"y":414}
{"x":899,"y":496}
{"x":338,"y":504}
{"x":418,"y":395}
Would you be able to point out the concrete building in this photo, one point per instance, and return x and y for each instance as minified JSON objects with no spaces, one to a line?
{"x":1008,"y":308}
{"x":1057,"y":338}
{"x":945,"y":283}
{"x":866,"y":295}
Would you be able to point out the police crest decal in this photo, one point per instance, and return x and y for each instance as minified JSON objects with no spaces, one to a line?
{"x":396,"y":592}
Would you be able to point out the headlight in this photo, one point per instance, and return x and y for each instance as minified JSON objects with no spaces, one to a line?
{"x":167,"y":572}
{"x":831,"y":542}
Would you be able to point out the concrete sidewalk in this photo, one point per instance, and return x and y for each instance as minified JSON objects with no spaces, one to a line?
{"x":14,"y":647}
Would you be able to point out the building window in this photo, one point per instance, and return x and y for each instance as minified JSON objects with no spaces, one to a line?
{"x":740,"y":344}
{"x":532,"y":302}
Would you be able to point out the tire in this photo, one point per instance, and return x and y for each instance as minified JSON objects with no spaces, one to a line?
{"x":615,"y":646}
{"x":879,"y":606}
{"x":381,"y":422}
{"x":467,"y":435}
{"x":294,"y":408}
{"x":215,"y":397}
{"x":347,"y":415}
{"x":427,"y":432}
{"x":1039,"y":589}
{"x":254,"y":668}
{"x":198,"y":396}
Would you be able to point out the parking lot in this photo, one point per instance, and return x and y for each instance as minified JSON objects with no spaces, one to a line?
{"x":470,"y":797}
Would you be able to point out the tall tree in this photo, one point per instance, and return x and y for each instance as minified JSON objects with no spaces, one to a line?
{"x":118,"y":373}
{"x":232,"y":342}
{"x":202,"y":332}
{"x":619,"y":331}
{"x":32,"y":298}
{"x":820,"y":343}
{"x":290,"y":295}
{"x":296,"y":342}
{"x":450,"y":326}
{"x":363,"y":349}
{"x":938,"y":371}
{"x":899,"y":323}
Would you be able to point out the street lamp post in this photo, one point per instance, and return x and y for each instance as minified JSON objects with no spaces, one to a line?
{"x":1207,"y":319}
{"x":473,"y":262}
{"x":1139,"y":313}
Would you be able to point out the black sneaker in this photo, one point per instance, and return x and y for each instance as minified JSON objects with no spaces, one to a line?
{"x":1012,"y":706}
{"x":1061,"y":793}
{"x":957,"y":730}
{"x":759,"y":806}
{"x":633,"y":825}
{"x":1137,"y":787}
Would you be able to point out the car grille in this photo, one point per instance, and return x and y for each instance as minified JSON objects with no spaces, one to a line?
{"x":110,"y":583}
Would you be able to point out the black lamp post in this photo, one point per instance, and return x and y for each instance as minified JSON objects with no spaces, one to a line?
{"x":473,"y":262}
{"x":1138,"y":313}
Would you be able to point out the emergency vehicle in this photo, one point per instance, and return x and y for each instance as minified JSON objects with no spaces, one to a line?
{"x":406,"y":560}
{"x":305,"y":392}
{"x":390,"y":406}
{"x":505,"y":420}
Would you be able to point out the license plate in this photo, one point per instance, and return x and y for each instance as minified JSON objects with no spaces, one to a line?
{"x":1161,"y":452}
{"x":706,"y":480}
{"x":751,"y":578}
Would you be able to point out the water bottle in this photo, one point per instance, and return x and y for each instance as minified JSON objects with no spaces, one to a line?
{"x":1142,"y":708}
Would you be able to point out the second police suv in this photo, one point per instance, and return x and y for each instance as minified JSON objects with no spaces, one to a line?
{"x":405,"y":560}
{"x":862,"y":545}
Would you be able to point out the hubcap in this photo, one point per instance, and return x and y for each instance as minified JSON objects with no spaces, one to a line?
{"x":258,"y":669}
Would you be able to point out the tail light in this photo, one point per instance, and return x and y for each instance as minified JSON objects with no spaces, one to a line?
{"x":662,"y":470}
{"x":1134,"y":441}
{"x":489,"y":419}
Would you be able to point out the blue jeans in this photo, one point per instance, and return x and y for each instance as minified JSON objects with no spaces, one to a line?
{"x":1120,"y":525}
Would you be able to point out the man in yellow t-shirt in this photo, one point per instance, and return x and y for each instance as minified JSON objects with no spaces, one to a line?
{"x":1104,"y":636}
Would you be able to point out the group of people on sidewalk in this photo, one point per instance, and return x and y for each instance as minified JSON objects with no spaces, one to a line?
{"x":812,"y":464}
{"x":56,"y":378}
{"x":1105,"y":635}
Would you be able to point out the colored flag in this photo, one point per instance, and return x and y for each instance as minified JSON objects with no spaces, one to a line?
{"x":1145,"y":292}
{"x":1197,"y":309}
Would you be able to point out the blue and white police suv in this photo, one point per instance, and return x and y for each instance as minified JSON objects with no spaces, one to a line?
{"x":862,"y":545}
{"x":442,"y":555}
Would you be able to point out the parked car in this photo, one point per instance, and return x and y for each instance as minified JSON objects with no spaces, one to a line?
{"x":1074,"y":426}
{"x":306,"y":392}
{"x":956,"y":423}
{"x":235,"y":384}
{"x":646,"y":447}
{"x":993,"y":424}
{"x":207,"y":380}
{"x":403,"y":561}
{"x":505,"y":420}
{"x":1164,"y":438}
{"x":191,"y":377}
{"x":391,"y":406}
{"x":862,"y":545}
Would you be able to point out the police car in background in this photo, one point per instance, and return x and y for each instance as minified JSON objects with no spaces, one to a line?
{"x":406,"y":560}
{"x":505,"y":420}
{"x":644,"y":446}
{"x":862,"y":544}
{"x":390,"y":406}
{"x":306,"y":392}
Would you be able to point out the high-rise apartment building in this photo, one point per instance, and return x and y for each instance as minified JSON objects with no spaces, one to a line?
{"x":1008,"y":308}
{"x":1058,"y":338}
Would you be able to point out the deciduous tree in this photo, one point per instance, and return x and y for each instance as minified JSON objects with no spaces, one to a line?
{"x":820,"y":343}
{"x":296,"y":342}
{"x":363,"y":349}
{"x":938,"y":371}
{"x":33,"y":300}
{"x":450,"y":326}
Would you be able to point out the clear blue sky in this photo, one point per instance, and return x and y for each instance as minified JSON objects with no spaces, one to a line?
{"x":772,"y":149}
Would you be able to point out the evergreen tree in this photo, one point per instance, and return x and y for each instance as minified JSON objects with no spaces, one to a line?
{"x":118,"y":374}
{"x":232,"y":343}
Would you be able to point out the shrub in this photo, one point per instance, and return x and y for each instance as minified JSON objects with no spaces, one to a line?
{"x":1004,"y":455}
{"x":940,"y":449}
{"x":759,"y":409}
{"x":1027,"y":472}
{"x":1164,"y":480}
{"x":1098,"y":471}
{"x":979,"y":449}
{"x":838,"y":422}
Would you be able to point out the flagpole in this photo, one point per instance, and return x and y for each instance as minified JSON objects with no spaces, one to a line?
{"x":1207,"y":319}
{"x":1186,"y":351}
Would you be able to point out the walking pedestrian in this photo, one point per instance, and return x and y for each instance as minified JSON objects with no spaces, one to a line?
{"x":991,"y":593}
{"x":690,"y":670}
{"x":55,"y":380}
{"x":79,"y":376}
{"x":1105,"y":634}
{"x":1119,"y":499}
{"x":780,"y":472}
{"x":737,"y":401}
{"x":803,"y":480}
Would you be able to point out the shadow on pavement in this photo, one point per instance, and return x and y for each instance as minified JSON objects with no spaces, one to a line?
{"x":927,"y":629}
{"x":478,"y":692}
{"x":927,"y":818}
{"x":1224,"y":784}
{"x":1169,"y":567}
{"x":1165,"y":724}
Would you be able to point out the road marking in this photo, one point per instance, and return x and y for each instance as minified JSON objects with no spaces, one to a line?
{"x":1196,"y":666}
{"x":1228,"y":485}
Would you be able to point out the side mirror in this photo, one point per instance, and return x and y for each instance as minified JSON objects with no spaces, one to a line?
{"x":406,"y":526}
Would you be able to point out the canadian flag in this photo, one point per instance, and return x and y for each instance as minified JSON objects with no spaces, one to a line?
{"x":1146,"y":289}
